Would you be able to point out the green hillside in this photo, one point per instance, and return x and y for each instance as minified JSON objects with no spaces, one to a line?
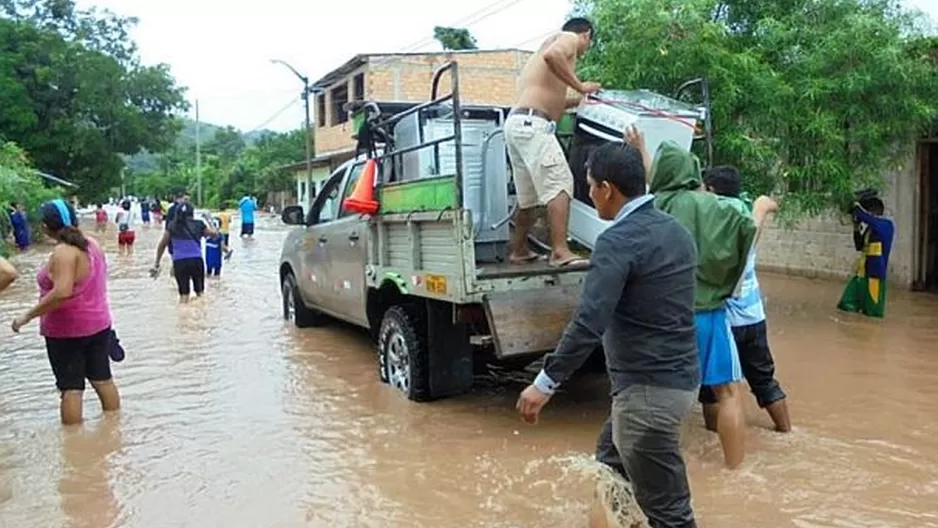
{"x":148,"y":162}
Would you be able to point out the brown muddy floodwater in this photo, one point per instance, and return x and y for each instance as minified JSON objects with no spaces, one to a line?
{"x":233,"y":418}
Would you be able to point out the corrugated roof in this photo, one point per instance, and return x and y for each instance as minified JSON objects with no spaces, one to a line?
{"x":315,"y":162}
{"x":59,"y":181}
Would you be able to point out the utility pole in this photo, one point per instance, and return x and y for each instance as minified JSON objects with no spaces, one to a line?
{"x":198,"y":154}
{"x":308,"y":138}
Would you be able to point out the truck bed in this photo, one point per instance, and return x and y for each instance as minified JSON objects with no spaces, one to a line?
{"x":506,"y":270}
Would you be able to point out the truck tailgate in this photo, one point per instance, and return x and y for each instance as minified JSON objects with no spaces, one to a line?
{"x":529,"y":322}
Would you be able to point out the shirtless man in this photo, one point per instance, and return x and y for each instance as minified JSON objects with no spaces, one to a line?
{"x":541,"y":173}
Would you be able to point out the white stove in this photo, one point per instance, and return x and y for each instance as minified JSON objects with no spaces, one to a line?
{"x":608,"y":113}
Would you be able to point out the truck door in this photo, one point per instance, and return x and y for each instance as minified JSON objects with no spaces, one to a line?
{"x":314,"y":283}
{"x":348,"y":254}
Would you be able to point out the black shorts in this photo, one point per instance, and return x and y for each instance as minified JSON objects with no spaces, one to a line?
{"x":224,"y":238}
{"x":190,"y":269}
{"x":755,"y":357}
{"x":247,"y":229}
{"x":75,"y":358}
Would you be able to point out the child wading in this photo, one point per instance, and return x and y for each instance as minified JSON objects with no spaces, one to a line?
{"x":100,"y":219}
{"x":224,"y":228}
{"x":214,"y":247}
{"x":873,"y":234}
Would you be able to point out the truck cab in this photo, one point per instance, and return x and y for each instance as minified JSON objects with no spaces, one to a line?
{"x":326,"y":256}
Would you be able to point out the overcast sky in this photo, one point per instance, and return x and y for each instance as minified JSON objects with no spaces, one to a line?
{"x":221,"y":50}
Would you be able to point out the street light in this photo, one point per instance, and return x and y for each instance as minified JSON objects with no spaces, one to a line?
{"x":305,"y":95}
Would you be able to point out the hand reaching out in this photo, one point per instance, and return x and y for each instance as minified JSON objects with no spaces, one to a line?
{"x":635,"y":137}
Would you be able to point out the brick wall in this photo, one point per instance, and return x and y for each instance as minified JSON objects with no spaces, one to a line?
{"x":486,"y":77}
{"x":823,"y":247}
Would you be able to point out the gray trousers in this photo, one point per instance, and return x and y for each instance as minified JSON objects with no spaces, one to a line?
{"x":641,"y":441}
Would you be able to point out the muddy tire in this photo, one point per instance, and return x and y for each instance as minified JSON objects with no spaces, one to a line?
{"x":403,"y":360}
{"x":293,"y":307}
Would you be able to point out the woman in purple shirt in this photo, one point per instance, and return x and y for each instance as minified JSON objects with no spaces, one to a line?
{"x":185,"y":233}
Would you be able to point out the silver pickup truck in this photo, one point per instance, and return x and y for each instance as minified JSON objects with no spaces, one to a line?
{"x":427,"y":274}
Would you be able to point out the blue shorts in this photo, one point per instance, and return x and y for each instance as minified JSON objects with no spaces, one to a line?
{"x":719,"y":359}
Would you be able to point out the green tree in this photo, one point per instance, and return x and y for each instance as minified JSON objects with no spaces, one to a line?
{"x":229,"y":168}
{"x":812,"y":98}
{"x":454,"y":38}
{"x":75,"y":95}
{"x":20,"y":183}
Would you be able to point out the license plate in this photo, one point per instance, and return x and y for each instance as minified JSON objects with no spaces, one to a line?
{"x":435,"y":284}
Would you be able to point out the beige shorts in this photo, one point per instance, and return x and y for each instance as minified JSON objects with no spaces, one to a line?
{"x":538,"y":164}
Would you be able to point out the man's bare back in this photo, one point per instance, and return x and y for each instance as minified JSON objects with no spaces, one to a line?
{"x":541,"y":88}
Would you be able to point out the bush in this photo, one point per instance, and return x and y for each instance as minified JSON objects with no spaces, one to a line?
{"x":20,"y":183}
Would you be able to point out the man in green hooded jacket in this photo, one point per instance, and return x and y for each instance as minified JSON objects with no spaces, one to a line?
{"x":724,"y":237}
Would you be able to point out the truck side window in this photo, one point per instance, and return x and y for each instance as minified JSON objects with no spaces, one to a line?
{"x":350,"y":182}
{"x":328,"y":197}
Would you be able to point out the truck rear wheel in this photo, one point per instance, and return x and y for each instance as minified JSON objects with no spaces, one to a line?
{"x":293,"y":307}
{"x":403,"y":361}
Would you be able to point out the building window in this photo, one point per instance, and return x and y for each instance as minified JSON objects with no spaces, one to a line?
{"x":359,"y":84}
{"x":321,"y":109}
{"x":338,"y":96}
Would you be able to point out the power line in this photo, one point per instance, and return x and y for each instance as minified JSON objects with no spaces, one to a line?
{"x":465,"y":20}
{"x":277,"y":114}
{"x":465,"y":23}
{"x":536,"y":38}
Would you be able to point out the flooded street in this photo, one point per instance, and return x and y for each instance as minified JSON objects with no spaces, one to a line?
{"x":232,"y":417}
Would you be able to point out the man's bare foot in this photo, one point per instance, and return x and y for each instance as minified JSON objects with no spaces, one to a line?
{"x":525,"y":259}
{"x":568,"y":261}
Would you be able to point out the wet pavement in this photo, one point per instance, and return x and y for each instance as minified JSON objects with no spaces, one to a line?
{"x":233,"y":417}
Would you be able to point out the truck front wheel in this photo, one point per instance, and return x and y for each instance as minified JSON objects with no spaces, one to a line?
{"x":293,"y":307}
{"x":402,"y":352}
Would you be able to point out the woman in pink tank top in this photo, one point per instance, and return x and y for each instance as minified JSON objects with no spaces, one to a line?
{"x":7,"y":274}
{"x":74,"y":314}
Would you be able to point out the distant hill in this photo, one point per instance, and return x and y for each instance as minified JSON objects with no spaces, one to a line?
{"x":148,"y":162}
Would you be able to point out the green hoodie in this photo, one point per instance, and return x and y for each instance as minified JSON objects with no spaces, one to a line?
{"x":723,"y":233}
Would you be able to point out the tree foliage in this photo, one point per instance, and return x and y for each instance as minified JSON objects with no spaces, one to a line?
{"x":454,"y":38}
{"x":74,"y":94}
{"x":230,"y":168}
{"x":810,"y":98}
{"x":20,"y":183}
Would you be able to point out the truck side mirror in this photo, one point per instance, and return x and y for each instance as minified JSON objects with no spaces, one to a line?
{"x":292,"y":215}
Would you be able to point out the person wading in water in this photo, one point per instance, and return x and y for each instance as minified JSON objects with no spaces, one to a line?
{"x":74,"y":314}
{"x":538,"y":163}
{"x":746,"y":313}
{"x":724,"y":237}
{"x":125,"y":220}
{"x":185,"y":233}
{"x":7,"y":274}
{"x":638,"y":303}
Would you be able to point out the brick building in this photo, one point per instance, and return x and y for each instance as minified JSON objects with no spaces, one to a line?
{"x":486,"y":77}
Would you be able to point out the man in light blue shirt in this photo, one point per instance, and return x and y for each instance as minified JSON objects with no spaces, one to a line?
{"x":746,"y":314}
{"x":248,"y":205}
